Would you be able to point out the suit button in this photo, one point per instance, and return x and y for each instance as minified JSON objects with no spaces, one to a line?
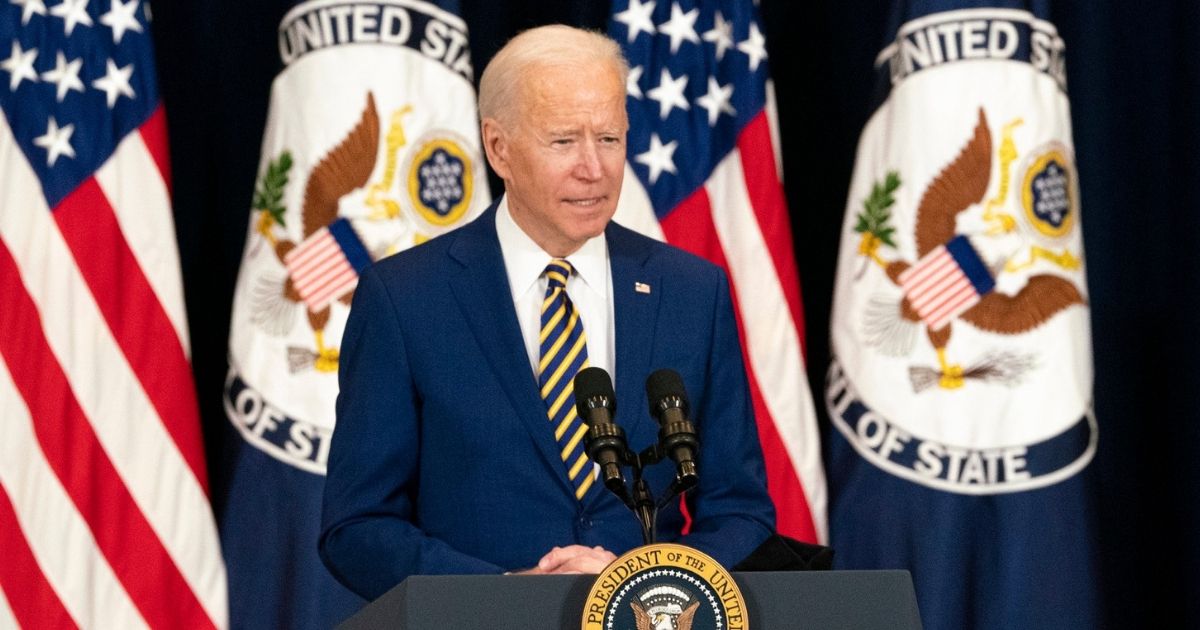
{"x":585,"y":522}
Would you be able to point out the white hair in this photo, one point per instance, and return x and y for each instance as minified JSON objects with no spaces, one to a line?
{"x":542,"y":47}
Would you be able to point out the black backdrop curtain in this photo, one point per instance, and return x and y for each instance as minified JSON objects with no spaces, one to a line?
{"x":1134,"y":78}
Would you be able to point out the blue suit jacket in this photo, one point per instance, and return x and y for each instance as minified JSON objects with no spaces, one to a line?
{"x":443,"y":460}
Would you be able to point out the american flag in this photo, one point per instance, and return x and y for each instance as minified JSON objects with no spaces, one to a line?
{"x":104,"y":512}
{"x":704,"y":175}
{"x":326,"y":265}
{"x":947,"y":281}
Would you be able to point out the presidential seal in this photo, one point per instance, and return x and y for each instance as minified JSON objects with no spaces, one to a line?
{"x":664,"y":587}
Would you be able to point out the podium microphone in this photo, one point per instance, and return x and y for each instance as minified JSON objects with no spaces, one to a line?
{"x":676,"y":435}
{"x":597,"y":404}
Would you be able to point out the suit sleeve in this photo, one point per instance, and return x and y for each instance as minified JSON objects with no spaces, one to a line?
{"x":369,"y":541}
{"x":731,"y":510}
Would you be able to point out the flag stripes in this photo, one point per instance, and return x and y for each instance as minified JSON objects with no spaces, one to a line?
{"x":134,"y":315}
{"x":771,"y":342}
{"x":767,"y":290}
{"x":142,"y":206}
{"x":102,"y":469}
{"x":55,"y":531}
{"x":36,"y":605}
{"x":102,"y":371}
{"x":765,"y":192}
{"x":7,"y":618}
{"x":154,"y":134}
{"x":75,"y":454}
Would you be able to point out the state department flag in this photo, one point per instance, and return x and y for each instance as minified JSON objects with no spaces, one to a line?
{"x":703,"y":174}
{"x":371,"y":146}
{"x":105,"y":519}
{"x":960,"y":390}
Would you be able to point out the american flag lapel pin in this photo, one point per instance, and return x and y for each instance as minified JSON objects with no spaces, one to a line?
{"x":641,"y":287}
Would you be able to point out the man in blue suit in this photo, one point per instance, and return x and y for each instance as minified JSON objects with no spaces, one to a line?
{"x":457,"y":447}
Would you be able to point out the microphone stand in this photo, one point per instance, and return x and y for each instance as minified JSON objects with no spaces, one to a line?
{"x":642,"y":502}
{"x":607,"y":445}
{"x":643,"y":506}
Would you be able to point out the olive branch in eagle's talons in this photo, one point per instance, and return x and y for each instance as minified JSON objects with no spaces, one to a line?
{"x":268,"y":197}
{"x":874,"y":222}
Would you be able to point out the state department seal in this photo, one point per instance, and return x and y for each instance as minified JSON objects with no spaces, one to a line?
{"x":960,"y":332}
{"x":664,"y":587}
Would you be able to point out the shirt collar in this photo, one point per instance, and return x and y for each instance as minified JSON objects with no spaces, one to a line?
{"x":525,"y":261}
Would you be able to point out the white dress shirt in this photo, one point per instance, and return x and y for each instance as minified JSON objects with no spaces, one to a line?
{"x":590,"y":289}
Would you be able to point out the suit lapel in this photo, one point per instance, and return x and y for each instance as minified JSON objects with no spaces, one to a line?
{"x":482,"y":292}
{"x":635,"y":307}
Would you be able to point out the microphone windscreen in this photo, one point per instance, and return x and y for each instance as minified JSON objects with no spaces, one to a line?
{"x":662,"y":384}
{"x":591,"y":383}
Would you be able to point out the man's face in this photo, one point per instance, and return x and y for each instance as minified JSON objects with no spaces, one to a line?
{"x":563,"y":157}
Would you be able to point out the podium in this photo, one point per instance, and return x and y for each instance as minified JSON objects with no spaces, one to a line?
{"x":825,"y":600}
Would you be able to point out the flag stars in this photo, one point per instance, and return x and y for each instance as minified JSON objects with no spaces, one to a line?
{"x":637,"y":18}
{"x":716,"y":101}
{"x":681,"y":26}
{"x":20,"y":66}
{"x":631,"y":82}
{"x":669,"y":93}
{"x":29,"y":8}
{"x":115,"y":83}
{"x":755,"y":46}
{"x":65,"y":75}
{"x":120,"y":18}
{"x":73,"y":13}
{"x":721,"y":35}
{"x":56,"y":141}
{"x":660,"y":157}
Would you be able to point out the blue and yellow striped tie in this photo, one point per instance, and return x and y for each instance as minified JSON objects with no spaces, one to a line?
{"x":564,"y":354}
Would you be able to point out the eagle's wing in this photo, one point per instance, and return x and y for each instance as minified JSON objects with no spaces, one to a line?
{"x":345,"y":168}
{"x":961,"y":183}
{"x":1042,"y":297}
{"x":640,"y":616}
{"x":684,"y":621}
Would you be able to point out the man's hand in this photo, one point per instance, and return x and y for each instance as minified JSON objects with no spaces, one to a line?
{"x":572,"y":559}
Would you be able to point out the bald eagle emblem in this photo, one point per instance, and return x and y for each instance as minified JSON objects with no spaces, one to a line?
{"x":957,"y":276}
{"x":664,"y":608}
{"x":322,"y":268}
